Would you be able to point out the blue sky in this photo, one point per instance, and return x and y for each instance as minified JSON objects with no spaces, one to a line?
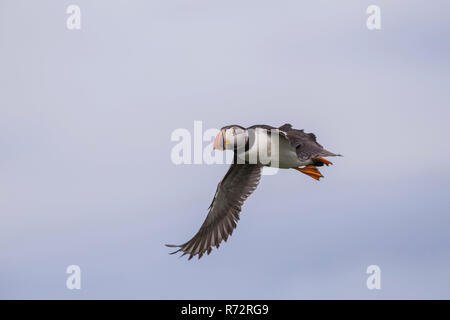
{"x":86,"y":177}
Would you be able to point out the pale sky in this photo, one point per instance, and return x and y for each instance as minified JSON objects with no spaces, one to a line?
{"x":86,"y":118}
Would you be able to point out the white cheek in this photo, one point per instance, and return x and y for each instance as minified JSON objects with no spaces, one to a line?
{"x":230,"y":138}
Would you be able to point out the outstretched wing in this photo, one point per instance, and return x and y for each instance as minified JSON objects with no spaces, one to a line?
{"x":305,"y":144}
{"x":239,"y":182}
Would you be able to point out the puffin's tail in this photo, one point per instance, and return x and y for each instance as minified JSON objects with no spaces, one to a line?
{"x":326,"y":153}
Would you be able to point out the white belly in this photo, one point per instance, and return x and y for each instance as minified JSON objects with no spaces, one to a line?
{"x":272,"y":151}
{"x":288,"y":156}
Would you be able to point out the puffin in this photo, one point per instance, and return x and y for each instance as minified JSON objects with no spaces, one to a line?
{"x":253,"y":148}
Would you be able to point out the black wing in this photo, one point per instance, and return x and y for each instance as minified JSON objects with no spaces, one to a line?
{"x":239,"y":182}
{"x":305,"y":144}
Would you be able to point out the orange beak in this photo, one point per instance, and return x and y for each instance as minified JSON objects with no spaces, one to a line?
{"x":217,"y":141}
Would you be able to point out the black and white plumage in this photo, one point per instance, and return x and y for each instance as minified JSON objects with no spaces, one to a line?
{"x":294,"y":148}
{"x":305,"y":144}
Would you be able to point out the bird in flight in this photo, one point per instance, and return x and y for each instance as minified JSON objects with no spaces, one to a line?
{"x":254,"y":148}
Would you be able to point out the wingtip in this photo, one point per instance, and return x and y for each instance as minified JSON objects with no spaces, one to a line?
{"x":183,"y":252}
{"x":174,"y":246}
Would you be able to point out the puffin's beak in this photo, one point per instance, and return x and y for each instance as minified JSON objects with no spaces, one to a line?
{"x":217,"y":141}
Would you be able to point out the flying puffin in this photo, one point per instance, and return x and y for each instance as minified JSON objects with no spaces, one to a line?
{"x":284,"y":148}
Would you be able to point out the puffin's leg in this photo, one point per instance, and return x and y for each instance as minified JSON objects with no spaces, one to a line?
{"x":311,"y":171}
{"x":322,"y":161}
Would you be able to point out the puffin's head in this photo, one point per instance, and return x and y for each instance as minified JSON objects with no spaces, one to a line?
{"x":230,"y":137}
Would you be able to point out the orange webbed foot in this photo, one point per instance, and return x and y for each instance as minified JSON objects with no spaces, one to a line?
{"x":311,"y":171}
{"x":323,"y":161}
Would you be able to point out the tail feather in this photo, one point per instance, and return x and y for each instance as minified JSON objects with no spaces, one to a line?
{"x":326,"y":153}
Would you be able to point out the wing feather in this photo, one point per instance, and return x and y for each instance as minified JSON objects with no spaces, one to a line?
{"x":238,"y":183}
